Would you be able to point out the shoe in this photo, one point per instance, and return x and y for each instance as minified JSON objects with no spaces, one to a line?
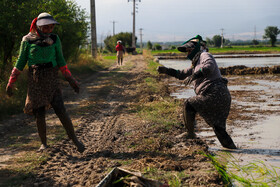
{"x":42,"y":148}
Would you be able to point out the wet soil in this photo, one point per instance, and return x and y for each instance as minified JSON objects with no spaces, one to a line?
{"x":244,"y":70}
{"x":114,"y":136}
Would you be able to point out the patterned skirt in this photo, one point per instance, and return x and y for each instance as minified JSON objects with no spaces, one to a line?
{"x":120,"y":54}
{"x":42,"y":86}
{"x":213,"y":104}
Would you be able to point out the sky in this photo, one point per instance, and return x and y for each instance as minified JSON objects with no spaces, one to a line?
{"x":179,"y":20}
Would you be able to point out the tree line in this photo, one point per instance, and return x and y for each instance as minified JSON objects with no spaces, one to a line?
{"x":270,"y":35}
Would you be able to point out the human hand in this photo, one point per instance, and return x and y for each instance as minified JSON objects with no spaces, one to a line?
{"x":9,"y":90}
{"x":73,"y":83}
{"x":13,"y":77}
{"x":162,"y":69}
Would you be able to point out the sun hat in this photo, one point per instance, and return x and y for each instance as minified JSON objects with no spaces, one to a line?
{"x":119,"y":41}
{"x":45,"y":19}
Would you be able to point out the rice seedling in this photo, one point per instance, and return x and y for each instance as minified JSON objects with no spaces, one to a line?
{"x":255,"y":173}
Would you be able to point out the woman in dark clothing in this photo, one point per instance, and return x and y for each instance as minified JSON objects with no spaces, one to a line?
{"x":41,"y":50}
{"x":212,"y":100}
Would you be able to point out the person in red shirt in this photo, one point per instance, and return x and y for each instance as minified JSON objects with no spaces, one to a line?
{"x":120,"y":52}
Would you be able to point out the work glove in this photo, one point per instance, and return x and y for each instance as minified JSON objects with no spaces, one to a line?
{"x":71,"y":80}
{"x":193,"y":77}
{"x":13,"y":77}
{"x":162,"y":69}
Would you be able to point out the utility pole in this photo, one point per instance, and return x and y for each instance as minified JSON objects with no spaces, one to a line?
{"x":93,"y":29}
{"x":101,"y":41}
{"x":133,"y":14}
{"x":141,"y":45}
{"x":255,"y":33}
{"x":113,"y":27}
{"x":222,"y":38}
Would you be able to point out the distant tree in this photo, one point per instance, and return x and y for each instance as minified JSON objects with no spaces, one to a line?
{"x":271,"y":34}
{"x":157,"y":47}
{"x":227,"y":42}
{"x":209,"y":41}
{"x":255,"y":42}
{"x":111,"y":41}
{"x":15,"y":19}
{"x":149,"y":45}
{"x":217,"y":40}
{"x":172,"y":47}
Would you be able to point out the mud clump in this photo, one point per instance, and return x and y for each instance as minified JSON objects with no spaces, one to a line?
{"x":244,"y":70}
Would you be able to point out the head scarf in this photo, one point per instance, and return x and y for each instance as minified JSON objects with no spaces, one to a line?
{"x":36,"y":33}
{"x":33,"y":27}
{"x":195,"y":45}
{"x":37,"y":23}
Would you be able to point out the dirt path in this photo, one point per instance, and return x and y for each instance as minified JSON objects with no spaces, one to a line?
{"x":115,"y":136}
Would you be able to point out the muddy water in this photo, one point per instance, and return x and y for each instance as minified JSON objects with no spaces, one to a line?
{"x":226,"y":62}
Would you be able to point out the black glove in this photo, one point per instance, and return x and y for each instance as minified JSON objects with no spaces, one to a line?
{"x":162,"y":69}
{"x":9,"y":90}
{"x":192,"y":77}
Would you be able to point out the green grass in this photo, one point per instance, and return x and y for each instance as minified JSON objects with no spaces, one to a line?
{"x":110,"y":57}
{"x":160,"y":112}
{"x":152,"y":67}
{"x":244,"y":49}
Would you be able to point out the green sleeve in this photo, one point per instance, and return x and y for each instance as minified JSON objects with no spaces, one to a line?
{"x":59,"y":55}
{"x":23,"y":56}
